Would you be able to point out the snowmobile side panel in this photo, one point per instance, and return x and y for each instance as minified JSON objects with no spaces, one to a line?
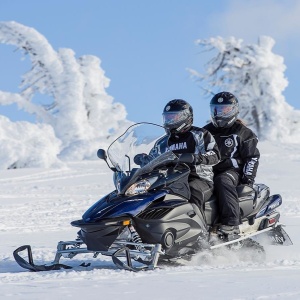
{"x":272,"y":202}
{"x":174,"y":230}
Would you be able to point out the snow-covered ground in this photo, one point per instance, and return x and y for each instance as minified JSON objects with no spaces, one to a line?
{"x":37,"y":206}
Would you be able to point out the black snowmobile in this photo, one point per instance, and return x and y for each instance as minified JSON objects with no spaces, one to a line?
{"x":148,"y":218}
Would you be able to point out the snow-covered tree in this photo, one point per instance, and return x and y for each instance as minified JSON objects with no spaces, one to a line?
{"x":81,"y":113}
{"x":256,"y":76}
{"x":23,"y":144}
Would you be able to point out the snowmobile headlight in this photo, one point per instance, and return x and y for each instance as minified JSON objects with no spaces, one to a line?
{"x":140,"y":187}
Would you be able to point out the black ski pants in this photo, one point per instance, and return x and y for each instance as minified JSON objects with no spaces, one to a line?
{"x":225,"y":184}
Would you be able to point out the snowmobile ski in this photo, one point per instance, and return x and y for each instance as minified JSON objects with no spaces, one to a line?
{"x":29,"y":265}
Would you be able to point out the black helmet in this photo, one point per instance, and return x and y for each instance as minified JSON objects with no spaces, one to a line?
{"x":177,"y":116}
{"x":224,"y":108}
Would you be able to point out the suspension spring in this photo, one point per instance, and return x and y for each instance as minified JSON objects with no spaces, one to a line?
{"x":135,"y":237}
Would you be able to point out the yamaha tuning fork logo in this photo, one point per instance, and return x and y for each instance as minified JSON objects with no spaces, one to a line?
{"x":229,"y":142}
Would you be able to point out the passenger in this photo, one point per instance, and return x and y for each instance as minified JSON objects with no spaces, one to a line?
{"x":239,"y":158}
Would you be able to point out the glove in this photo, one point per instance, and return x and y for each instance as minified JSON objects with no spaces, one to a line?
{"x":187,"y":158}
{"x":247,"y":180}
{"x":142,"y":159}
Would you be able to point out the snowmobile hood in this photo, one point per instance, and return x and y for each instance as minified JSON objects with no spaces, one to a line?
{"x":112,"y":206}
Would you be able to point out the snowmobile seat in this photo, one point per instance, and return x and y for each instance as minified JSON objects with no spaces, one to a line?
{"x":247,"y":197}
{"x":244,"y":191}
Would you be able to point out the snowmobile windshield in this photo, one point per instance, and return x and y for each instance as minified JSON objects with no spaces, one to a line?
{"x":130,"y":153}
{"x":138,"y":139}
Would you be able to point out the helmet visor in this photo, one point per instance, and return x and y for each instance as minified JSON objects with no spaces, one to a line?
{"x":223,"y":110}
{"x":172,"y":118}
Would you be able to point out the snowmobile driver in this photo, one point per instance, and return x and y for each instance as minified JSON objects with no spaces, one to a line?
{"x":239,"y":158}
{"x":196,"y":147}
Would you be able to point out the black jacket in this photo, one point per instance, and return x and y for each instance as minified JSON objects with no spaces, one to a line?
{"x":238,"y":148}
{"x":197,"y":141}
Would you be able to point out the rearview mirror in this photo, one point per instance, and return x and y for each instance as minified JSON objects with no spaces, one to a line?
{"x":101,"y":154}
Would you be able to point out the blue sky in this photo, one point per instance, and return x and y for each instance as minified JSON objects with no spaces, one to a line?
{"x":146,"y":46}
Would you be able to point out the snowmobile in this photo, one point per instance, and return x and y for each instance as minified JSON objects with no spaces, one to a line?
{"x":148,"y":219}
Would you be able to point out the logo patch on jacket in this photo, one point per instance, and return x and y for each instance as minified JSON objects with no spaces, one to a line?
{"x":178,"y":146}
{"x":229,"y":142}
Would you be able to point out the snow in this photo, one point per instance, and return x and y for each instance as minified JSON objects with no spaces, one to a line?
{"x":38,"y":204}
